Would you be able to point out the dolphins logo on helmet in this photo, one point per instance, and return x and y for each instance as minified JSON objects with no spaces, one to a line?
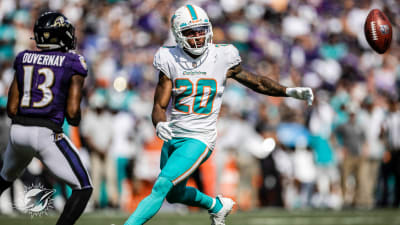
{"x":191,"y":17}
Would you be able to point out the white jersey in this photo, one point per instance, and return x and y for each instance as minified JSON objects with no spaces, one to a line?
{"x":198,"y":85}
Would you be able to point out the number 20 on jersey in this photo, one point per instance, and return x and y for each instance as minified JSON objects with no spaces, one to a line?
{"x":203,"y":95}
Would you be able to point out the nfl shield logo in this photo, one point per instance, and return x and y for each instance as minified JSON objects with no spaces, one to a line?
{"x":194,"y":64}
{"x":384,"y":29}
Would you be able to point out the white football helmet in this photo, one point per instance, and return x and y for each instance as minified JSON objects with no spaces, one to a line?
{"x":191,"y":19}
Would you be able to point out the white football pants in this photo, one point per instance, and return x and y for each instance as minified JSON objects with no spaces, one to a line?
{"x":55,"y":151}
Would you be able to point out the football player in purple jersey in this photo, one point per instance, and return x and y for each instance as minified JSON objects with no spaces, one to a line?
{"x":47,"y":88}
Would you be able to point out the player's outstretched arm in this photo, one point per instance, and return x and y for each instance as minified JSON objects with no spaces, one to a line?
{"x":161,"y":100}
{"x":260,"y":84}
{"x":267,"y":86}
{"x":13,"y":99}
{"x":73,"y":111}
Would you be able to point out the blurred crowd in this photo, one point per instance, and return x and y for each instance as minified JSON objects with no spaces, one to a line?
{"x":344,"y":151}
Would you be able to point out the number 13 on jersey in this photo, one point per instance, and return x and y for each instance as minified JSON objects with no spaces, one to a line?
{"x":44,"y":87}
{"x":198,"y":98}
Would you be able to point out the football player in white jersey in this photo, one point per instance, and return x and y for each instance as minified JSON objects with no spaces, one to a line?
{"x":194,"y":74}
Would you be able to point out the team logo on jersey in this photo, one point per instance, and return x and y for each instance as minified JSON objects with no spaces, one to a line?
{"x":83,"y":62}
{"x":194,"y":73}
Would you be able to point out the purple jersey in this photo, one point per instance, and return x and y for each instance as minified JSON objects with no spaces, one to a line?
{"x":43,"y":81}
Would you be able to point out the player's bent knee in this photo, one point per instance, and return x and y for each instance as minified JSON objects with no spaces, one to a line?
{"x":174,"y":197}
{"x":84,"y":193}
{"x":88,"y":190}
{"x":162,"y":186}
{"x":8,"y":176}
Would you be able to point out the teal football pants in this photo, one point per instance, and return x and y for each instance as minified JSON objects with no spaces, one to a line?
{"x":180,"y":157}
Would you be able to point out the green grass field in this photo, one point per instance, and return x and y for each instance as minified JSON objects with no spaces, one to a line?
{"x":260,"y":217}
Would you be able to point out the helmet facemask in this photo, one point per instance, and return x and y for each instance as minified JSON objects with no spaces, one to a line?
{"x":193,"y":34}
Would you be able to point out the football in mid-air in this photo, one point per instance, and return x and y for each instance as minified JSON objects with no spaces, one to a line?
{"x":378,"y":31}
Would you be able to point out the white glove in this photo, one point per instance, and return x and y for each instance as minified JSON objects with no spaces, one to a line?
{"x":302,"y":93}
{"x":163,"y":131}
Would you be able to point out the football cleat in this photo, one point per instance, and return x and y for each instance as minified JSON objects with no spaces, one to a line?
{"x":219,"y":217}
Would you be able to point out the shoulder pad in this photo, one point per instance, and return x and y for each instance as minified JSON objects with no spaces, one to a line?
{"x":231,"y":54}
{"x":160,"y":61}
{"x":17,"y":59}
{"x":78,"y":64}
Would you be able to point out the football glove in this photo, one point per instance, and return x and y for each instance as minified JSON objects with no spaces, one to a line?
{"x":302,"y":93}
{"x":163,"y":131}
